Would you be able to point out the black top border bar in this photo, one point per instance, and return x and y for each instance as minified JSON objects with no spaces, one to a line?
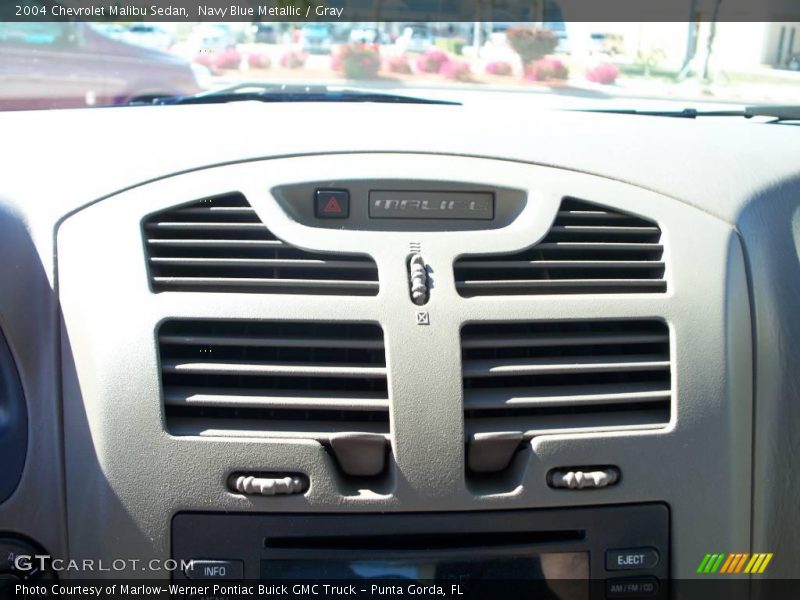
{"x":524,"y":11}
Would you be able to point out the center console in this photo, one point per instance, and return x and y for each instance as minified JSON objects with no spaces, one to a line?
{"x":612,"y":552}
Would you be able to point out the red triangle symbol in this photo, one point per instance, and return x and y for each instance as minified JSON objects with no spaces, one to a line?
{"x":332,"y":206}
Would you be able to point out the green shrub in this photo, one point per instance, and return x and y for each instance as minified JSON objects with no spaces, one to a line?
{"x":650,"y":59}
{"x":451,"y":45}
{"x":360,"y":61}
{"x":531,"y":44}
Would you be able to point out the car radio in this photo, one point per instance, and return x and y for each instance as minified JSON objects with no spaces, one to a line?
{"x":619,"y":551}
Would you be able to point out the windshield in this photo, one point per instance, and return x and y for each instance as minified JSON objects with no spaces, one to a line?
{"x":591,"y":64}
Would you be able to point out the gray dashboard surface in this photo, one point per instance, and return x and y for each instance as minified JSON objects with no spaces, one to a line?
{"x":112,"y":395}
{"x":720,"y":165}
{"x":745,"y":173}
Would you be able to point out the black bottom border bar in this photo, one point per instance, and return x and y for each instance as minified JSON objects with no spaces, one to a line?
{"x":561,"y":589}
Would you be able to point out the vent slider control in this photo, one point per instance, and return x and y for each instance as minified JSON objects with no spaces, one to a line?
{"x":280,"y":485}
{"x":418,"y":273}
{"x":576,"y":479}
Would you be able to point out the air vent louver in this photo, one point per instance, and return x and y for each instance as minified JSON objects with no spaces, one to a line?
{"x":590,"y":249}
{"x":220,"y":245}
{"x":290,"y":378}
{"x":543,"y":377}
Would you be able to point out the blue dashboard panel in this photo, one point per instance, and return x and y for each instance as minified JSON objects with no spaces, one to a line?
{"x":13,"y":423}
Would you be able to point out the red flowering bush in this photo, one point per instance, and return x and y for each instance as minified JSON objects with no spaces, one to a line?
{"x":258,"y":61}
{"x":498,"y":67}
{"x":358,"y":61}
{"x":226,"y":59}
{"x":604,"y":73}
{"x":204,"y":58}
{"x":431,"y":60}
{"x":336,"y":61}
{"x":398,"y":64}
{"x":546,"y":69}
{"x":293,"y":59}
{"x":457,"y":70}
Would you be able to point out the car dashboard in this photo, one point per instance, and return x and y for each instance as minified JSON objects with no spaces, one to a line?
{"x":363,"y":322}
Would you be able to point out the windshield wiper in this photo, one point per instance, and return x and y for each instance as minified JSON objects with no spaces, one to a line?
{"x":790,"y":112}
{"x":271,"y":92}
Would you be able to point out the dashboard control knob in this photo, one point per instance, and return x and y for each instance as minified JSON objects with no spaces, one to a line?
{"x":577,"y":479}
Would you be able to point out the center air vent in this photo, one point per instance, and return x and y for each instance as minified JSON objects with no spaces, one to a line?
{"x":589,"y":249}
{"x":277,"y":378}
{"x":220,"y":245}
{"x":546,"y":377}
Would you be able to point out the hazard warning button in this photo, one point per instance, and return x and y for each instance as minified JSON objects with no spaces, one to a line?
{"x":332,"y":204}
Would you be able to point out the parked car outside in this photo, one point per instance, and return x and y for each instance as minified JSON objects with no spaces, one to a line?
{"x":560,"y":31}
{"x":316,"y":38}
{"x":415,"y":39}
{"x":264,"y":33}
{"x":66,"y":65}
{"x":367,"y":35}
{"x":213,"y":36}
{"x":149,"y":35}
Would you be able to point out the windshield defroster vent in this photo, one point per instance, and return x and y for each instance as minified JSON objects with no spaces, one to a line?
{"x":589,"y":249}
{"x":220,"y":245}
{"x":303,"y":379}
{"x":534,"y":378}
